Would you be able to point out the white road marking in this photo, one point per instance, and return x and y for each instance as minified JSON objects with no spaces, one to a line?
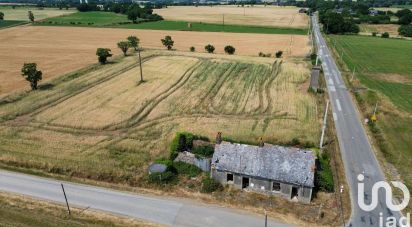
{"x":330,"y":81}
{"x":338,"y":104}
{"x":332,"y":88}
{"x":335,"y":117}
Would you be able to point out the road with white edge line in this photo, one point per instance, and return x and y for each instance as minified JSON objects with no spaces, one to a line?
{"x":357,"y":152}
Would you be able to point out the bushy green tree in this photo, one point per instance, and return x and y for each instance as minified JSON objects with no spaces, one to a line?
{"x":123,"y":46}
{"x":192,"y":49}
{"x":168,"y":42}
{"x":229,"y":49}
{"x":31,"y":16}
{"x":385,"y":35}
{"x":133,"y":41}
{"x":405,"y":20}
{"x":405,"y":30}
{"x":31,"y":74}
{"x":103,"y":54}
{"x":209,"y":48}
{"x":279,"y":54}
{"x":1,"y":16}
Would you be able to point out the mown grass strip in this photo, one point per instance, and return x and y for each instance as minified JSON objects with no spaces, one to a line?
{"x":11,"y":23}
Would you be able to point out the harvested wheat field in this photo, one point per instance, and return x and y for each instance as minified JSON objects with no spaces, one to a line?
{"x":100,"y":123}
{"x":392,"y":29}
{"x":58,"y":50}
{"x":257,"y":15}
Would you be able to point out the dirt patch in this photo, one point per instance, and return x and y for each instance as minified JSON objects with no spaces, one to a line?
{"x":393,"y":78}
{"x":59,"y":50}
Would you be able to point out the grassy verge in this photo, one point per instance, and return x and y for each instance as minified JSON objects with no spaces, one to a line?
{"x":22,"y":211}
{"x":10,"y":23}
{"x":383,"y":71}
{"x":113,"y":20}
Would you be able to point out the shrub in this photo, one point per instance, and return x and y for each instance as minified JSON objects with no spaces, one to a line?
{"x":187,"y":169}
{"x":209,"y":48}
{"x":374,"y":34}
{"x":324,"y":175}
{"x":210,"y":185}
{"x":205,"y":151}
{"x":405,"y":30}
{"x":161,"y":178}
{"x":192,"y":49}
{"x":279,"y":54}
{"x":229,"y":49}
{"x":385,"y":35}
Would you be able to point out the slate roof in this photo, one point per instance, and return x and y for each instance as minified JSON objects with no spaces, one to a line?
{"x":277,"y":163}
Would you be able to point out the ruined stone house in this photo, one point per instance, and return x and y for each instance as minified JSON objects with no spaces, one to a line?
{"x":281,"y":171}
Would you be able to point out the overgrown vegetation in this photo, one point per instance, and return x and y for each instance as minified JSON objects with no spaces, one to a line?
{"x":209,"y":185}
{"x":324,"y":174}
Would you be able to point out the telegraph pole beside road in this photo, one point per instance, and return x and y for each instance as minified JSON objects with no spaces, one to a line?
{"x":140,"y":63}
{"x":324,"y":125}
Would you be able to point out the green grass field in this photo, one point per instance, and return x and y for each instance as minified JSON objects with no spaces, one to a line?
{"x":108,"y":19}
{"x":10,"y":23}
{"x":374,"y":56}
{"x":384,"y":66}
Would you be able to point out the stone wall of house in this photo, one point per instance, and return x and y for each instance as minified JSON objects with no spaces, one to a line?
{"x":201,"y":163}
{"x":263,"y":186}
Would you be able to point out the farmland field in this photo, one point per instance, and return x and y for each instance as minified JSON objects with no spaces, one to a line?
{"x":383,"y":66}
{"x":58,"y":50}
{"x":392,"y":29}
{"x":100,"y":123}
{"x":20,"y":13}
{"x":257,"y":15}
{"x":112,"y":20}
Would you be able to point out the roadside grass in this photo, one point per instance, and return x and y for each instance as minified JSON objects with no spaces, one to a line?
{"x":10,"y":23}
{"x":20,"y":12}
{"x":381,"y":66}
{"x":22,"y":211}
{"x":113,"y":20}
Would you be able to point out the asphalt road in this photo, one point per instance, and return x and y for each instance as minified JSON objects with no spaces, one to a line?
{"x":357,"y":153}
{"x":166,"y":211}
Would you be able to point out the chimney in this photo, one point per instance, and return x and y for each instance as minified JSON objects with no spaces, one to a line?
{"x":219,"y":138}
{"x":261,"y":143}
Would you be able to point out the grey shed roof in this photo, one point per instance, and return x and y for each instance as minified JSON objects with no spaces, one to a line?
{"x":157,"y":168}
{"x":314,"y":78}
{"x":277,"y":163}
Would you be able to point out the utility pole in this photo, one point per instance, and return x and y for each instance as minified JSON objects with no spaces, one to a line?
{"x":324,"y":125}
{"x":317,"y":58}
{"x":140,"y":63}
{"x":376,"y":108}
{"x":65,"y":197}
{"x":266,"y":219}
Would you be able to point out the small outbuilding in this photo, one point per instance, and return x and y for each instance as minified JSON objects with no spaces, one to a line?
{"x":283,"y":171}
{"x":314,"y":78}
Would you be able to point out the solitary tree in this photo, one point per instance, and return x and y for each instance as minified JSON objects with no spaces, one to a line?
{"x":103,"y":54}
{"x":1,"y":16}
{"x":405,"y":30}
{"x":168,"y":42}
{"x":124,"y":46}
{"x":133,"y":14}
{"x":279,"y":54}
{"x":133,"y":41}
{"x":192,"y":49}
{"x":30,"y":72}
{"x":230,"y":49}
{"x":31,"y":16}
{"x":385,"y":35}
{"x":209,"y":48}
